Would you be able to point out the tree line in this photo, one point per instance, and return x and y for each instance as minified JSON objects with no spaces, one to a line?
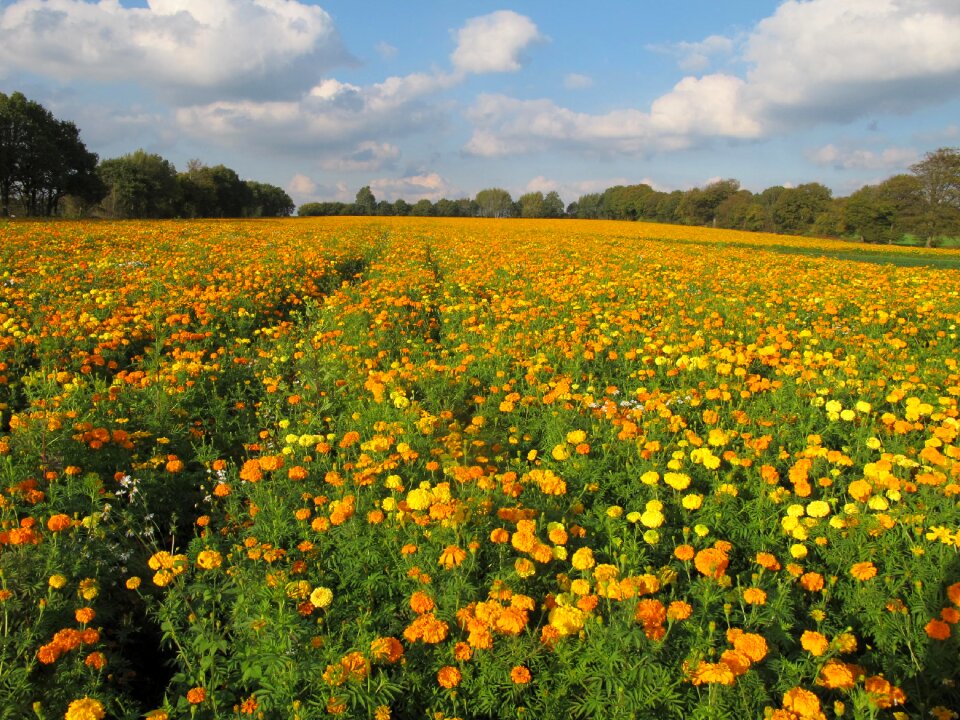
{"x":46,"y":170}
{"x":924,"y":203}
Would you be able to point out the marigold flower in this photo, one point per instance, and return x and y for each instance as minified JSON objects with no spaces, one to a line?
{"x":321,"y":597}
{"x":86,"y":708}
{"x":520,"y":675}
{"x":679,"y":610}
{"x":805,"y":704}
{"x":421,"y":603}
{"x":863,"y":571}
{"x":448,"y":676}
{"x":452,"y":556}
{"x":58,"y":523}
{"x":812,"y":581}
{"x":713,"y":674}
{"x":57,"y":581}
{"x":711,"y":562}
{"x":937,"y":629}
{"x":836,"y":675}
{"x":84,"y":615}
{"x":196,"y":695}
{"x":752,"y":645}
{"x":583,"y":559}
{"x":814,"y":643}
{"x":755,"y":596}
{"x":386,"y":649}
{"x":209,"y":559}
{"x":767,"y":561}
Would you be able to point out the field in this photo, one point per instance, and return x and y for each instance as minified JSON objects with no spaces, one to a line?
{"x":424,"y":468}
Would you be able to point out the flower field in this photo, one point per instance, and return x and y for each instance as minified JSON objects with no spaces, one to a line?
{"x":423,"y":468}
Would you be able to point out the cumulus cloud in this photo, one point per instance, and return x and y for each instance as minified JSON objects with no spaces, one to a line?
{"x":494,"y":43}
{"x":220,"y":48}
{"x":892,"y":158}
{"x":431,"y":186}
{"x":331,"y":115}
{"x":695,"y":109}
{"x":837,"y":60}
{"x":301,"y":186}
{"x":811,"y":62}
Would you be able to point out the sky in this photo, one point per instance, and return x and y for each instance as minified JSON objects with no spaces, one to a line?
{"x":442,"y":98}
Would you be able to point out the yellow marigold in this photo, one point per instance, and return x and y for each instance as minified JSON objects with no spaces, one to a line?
{"x":86,"y":708}
{"x":818,"y":509}
{"x":209,"y":559}
{"x":321,"y":597}
{"x":583,"y":559}
{"x":57,"y":581}
{"x":448,"y":676}
{"x":566,"y":619}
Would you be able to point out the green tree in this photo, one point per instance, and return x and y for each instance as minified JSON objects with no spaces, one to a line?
{"x":365,"y":202}
{"x":552,"y":205}
{"x":267,"y":200}
{"x":797,"y":209}
{"x":42,"y":159}
{"x":699,"y":205}
{"x":531,"y":205}
{"x":939,"y":176}
{"x":140,"y":185}
{"x":422,"y":208}
{"x":495,"y":203}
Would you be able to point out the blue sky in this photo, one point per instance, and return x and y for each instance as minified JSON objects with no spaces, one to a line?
{"x":440,"y":98}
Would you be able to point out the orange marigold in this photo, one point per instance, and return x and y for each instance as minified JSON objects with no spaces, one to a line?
{"x":863,"y":571}
{"x":452,"y":556}
{"x":937,"y":629}
{"x":711,"y":562}
{"x":448,"y":676}
{"x":520,"y":675}
{"x":814,"y":643}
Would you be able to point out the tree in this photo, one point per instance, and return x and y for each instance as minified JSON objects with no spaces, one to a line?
{"x":699,"y":206}
{"x":42,"y":159}
{"x":531,"y":205}
{"x":267,"y":200}
{"x":939,"y":176}
{"x":797,"y":209}
{"x":552,"y":205}
{"x":140,"y":185}
{"x":422,"y":208}
{"x":495,"y":203}
{"x":365,"y":203}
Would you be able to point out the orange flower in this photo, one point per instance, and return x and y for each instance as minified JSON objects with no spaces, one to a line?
{"x":768,"y":561}
{"x":57,"y":523}
{"x":684,"y":552}
{"x":84,"y":615}
{"x":953,"y":592}
{"x":803,"y":703}
{"x":713,"y":674}
{"x":752,"y":645}
{"x":520,"y":675}
{"x":386,"y":649}
{"x":196,"y":695}
{"x":814,"y":643}
{"x":251,"y":471}
{"x":863,"y":571}
{"x":937,"y":629}
{"x":711,"y":562}
{"x":421,"y":603}
{"x":462,"y":651}
{"x":754,"y":596}
{"x":679,"y":610}
{"x":452,"y":556}
{"x":812,"y":581}
{"x":837,"y":675}
{"x":448,"y":676}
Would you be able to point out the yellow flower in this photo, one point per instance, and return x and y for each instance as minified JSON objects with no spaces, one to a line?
{"x":650,"y":478}
{"x":678,"y":481}
{"x":86,"y":708}
{"x":692,"y":501}
{"x":560,"y":452}
{"x":798,"y":551}
{"x":57,"y":581}
{"x":321,"y":597}
{"x":209,"y":559}
{"x":575,"y":437}
{"x":818,"y":509}
{"x":583,"y":559}
{"x":133,"y":583}
{"x":652,"y":518}
{"x":452,"y":556}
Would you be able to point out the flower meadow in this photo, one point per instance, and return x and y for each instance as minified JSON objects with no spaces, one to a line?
{"x":423,"y":468}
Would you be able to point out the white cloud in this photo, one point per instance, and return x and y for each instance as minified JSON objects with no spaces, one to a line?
{"x":301,"y":186}
{"x":836,"y":60}
{"x":696,"y":56}
{"x":413,"y":187}
{"x":330,"y":116}
{"x":214,"y":48}
{"x":811,"y":62}
{"x":892,"y":158}
{"x":367,"y":155}
{"x":494,"y":42}
{"x":695,"y":109}
{"x":576,"y":81}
